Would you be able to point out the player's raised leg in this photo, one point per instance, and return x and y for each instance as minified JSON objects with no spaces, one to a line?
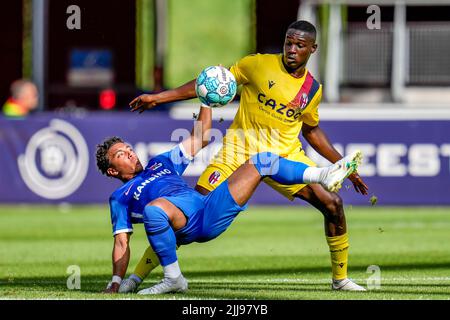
{"x":243,"y":182}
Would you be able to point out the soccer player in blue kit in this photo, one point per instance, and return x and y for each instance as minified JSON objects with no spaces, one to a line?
{"x":173,"y":213}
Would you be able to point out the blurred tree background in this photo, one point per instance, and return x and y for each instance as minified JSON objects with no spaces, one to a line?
{"x":202,"y":33}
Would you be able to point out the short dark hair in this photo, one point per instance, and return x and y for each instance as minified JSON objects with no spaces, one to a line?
{"x":304,"y":26}
{"x":102,"y":153}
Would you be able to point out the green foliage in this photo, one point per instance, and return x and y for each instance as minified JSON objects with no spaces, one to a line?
{"x":27,"y":39}
{"x":203,"y":33}
{"x":145,"y":44}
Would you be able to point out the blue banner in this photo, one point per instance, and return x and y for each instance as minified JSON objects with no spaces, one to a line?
{"x":51,"y":159}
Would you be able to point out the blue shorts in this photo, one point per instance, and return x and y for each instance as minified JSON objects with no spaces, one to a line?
{"x":207,"y":216}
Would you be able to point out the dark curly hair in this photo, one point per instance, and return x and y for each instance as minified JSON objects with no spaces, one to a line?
{"x":102,"y":153}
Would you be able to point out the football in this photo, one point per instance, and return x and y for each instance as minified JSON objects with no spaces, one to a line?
{"x":215,"y":86}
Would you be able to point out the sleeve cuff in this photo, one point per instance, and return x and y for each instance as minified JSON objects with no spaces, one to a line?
{"x":185,"y":154}
{"x":128,"y":230}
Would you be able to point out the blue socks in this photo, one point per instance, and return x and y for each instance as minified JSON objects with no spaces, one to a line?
{"x":279,"y":169}
{"x":160,"y":234}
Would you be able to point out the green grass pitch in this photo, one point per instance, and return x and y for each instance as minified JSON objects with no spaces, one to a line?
{"x":267,"y":253}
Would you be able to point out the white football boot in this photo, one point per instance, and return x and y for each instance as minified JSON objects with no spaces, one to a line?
{"x":128,"y":286}
{"x":346,"y":285}
{"x":339,"y":171}
{"x":167,"y":285}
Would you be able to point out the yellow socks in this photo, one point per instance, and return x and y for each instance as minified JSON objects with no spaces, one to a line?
{"x":148,"y":262}
{"x":339,"y":255}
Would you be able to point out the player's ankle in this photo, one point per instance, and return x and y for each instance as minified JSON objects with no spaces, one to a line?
{"x":338,"y":280}
{"x":135,"y":278}
{"x":315,"y":174}
{"x":172,"y":271}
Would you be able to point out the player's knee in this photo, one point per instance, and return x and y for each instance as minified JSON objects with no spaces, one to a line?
{"x":262,"y":158}
{"x":154,"y":218}
{"x":334,"y":205}
{"x":264,"y":162}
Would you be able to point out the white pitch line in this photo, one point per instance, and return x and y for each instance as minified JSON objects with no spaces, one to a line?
{"x":281,"y":280}
{"x":318,"y":280}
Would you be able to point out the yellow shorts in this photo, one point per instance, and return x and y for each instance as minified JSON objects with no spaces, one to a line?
{"x":216,"y":173}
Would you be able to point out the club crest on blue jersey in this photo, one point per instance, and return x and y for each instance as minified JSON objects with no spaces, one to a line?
{"x":155,"y":166}
{"x":214,"y":177}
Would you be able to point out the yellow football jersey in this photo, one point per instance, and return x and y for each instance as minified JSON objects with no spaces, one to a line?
{"x":273,"y":107}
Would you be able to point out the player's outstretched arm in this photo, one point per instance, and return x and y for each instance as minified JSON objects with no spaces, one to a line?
{"x":120,"y":260}
{"x":200,"y":133}
{"x":317,"y":138}
{"x":148,"y":101}
{"x":319,"y":141}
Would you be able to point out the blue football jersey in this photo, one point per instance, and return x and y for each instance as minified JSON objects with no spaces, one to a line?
{"x":160,"y":178}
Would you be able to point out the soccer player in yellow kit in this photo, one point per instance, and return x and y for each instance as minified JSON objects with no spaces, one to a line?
{"x":279,"y":100}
